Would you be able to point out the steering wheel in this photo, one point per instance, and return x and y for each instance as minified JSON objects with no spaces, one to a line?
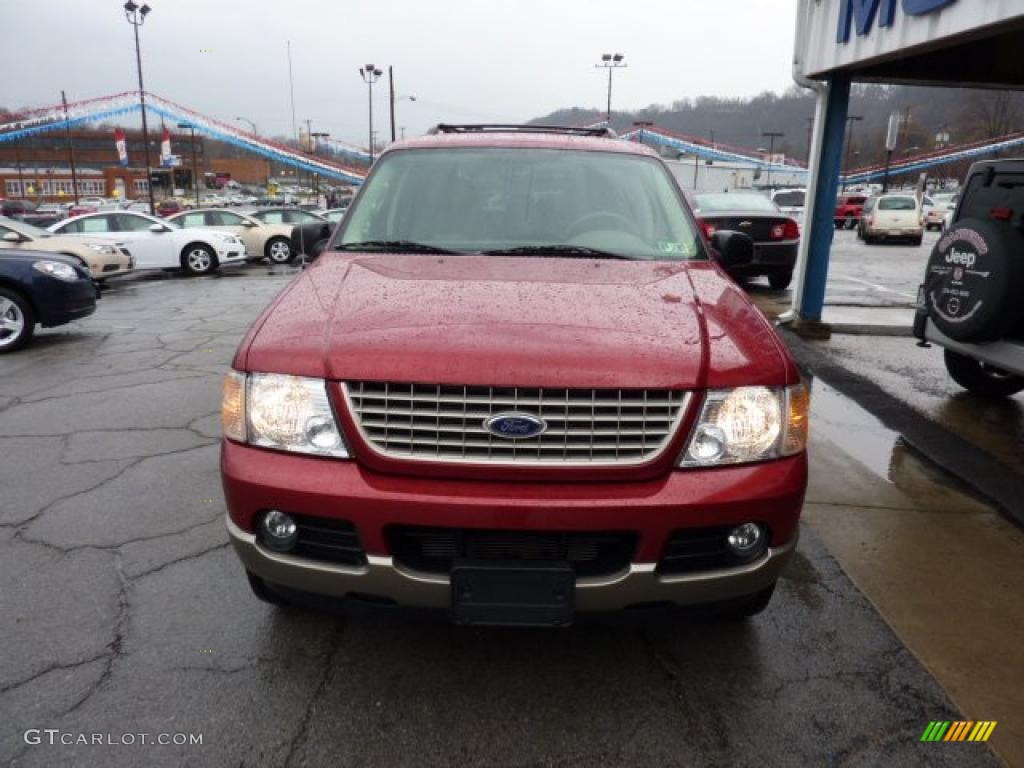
{"x":620,"y":222}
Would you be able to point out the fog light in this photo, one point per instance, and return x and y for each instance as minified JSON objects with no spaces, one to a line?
{"x":745,"y":539}
{"x":279,"y":531}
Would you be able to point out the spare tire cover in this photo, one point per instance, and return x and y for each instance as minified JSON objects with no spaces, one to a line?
{"x":974,"y":284}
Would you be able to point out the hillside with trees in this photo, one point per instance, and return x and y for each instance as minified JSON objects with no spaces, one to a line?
{"x":933,"y":116}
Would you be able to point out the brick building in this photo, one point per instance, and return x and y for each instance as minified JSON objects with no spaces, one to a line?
{"x":38,"y":167}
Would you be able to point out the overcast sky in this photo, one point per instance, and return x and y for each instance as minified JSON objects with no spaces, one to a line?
{"x":464,"y":60}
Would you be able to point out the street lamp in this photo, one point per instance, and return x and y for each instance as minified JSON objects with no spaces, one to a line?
{"x":771,"y":136}
{"x":610,"y":61}
{"x":370,"y":75}
{"x":136,"y":16}
{"x":195,"y":164}
{"x":251,"y":124}
{"x":850,"y":120}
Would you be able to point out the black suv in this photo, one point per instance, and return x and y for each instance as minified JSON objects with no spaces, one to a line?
{"x":970,"y":302}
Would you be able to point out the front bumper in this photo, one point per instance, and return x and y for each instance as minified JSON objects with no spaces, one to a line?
{"x":256,"y":480}
{"x":382,"y":578}
{"x":231,"y":253}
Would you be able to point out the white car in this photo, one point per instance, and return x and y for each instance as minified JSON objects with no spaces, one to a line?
{"x":262,"y":240}
{"x":159,"y":244}
{"x":892,"y":217}
{"x":936,"y":207}
{"x":791,"y":202}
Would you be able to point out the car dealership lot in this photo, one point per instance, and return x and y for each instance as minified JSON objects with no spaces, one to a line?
{"x":149,"y":626}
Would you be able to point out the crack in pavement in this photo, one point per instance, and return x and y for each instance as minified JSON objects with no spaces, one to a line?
{"x":325,"y":680}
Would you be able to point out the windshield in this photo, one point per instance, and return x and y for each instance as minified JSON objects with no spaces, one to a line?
{"x":897,"y":204}
{"x":498,"y":199}
{"x":736,"y":201}
{"x":24,"y":228}
{"x":792,"y":199}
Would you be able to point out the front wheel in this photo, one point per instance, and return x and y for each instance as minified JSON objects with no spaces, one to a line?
{"x":780,"y":280}
{"x":279,"y":250}
{"x":982,"y":379}
{"x":198,"y":259}
{"x":851,"y":223}
{"x":17,"y":321}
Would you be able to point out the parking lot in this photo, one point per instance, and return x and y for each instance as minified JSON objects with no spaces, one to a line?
{"x":127,"y":613}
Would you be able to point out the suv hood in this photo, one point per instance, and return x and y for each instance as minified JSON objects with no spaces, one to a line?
{"x":485,"y":320}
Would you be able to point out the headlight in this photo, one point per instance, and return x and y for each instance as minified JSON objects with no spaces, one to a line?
{"x":749,"y":424}
{"x":57,"y":269}
{"x":287,"y":413}
{"x":108,"y":249}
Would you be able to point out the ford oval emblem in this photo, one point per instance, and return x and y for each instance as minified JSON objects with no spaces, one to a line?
{"x":515,"y":426}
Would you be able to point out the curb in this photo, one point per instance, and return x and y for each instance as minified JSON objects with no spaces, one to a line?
{"x":944,"y":447}
{"x":857,"y":329}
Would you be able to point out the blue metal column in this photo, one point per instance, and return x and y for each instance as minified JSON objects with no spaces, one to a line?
{"x":820,"y":216}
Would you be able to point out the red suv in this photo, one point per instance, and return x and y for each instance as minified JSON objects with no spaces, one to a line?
{"x":517,"y":384}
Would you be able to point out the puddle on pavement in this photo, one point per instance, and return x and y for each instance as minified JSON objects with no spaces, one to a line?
{"x":879,"y":449}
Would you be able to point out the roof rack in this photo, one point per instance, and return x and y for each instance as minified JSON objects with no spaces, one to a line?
{"x":567,"y":130}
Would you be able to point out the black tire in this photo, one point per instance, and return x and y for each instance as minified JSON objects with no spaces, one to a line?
{"x":981,"y":379}
{"x":199,"y":259}
{"x":780,"y":280}
{"x":850,"y":222}
{"x":264,"y":592}
{"x":917,"y":241}
{"x":278,"y":250}
{"x":17,"y":320}
{"x":974,"y":280}
{"x":745,"y":607}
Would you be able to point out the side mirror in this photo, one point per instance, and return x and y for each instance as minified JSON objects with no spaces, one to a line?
{"x":733,"y":249}
{"x":159,"y":228}
{"x":12,"y":237}
{"x":247,"y":223}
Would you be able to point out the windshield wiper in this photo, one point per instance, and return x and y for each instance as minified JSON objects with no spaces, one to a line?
{"x":557,"y":251}
{"x":393,"y":246}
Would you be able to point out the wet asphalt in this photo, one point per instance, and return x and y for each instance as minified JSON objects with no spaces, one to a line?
{"x":125,"y":612}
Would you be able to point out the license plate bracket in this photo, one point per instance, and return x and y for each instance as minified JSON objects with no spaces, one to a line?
{"x":516,"y":593}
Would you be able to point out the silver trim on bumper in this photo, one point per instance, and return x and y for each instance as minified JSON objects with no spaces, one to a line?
{"x":382,"y":578}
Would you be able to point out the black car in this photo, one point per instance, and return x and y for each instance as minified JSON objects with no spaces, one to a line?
{"x":44,"y":288}
{"x":776,"y":236}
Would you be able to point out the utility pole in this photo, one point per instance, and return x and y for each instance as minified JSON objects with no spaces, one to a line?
{"x":391,"y":88}
{"x":314,"y":141}
{"x":291,"y":90}
{"x":771,"y":136}
{"x":71,"y":148}
{"x":610,"y":61}
{"x":850,"y":120}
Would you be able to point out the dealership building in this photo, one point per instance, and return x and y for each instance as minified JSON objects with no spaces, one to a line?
{"x":39,"y":167}
{"x":961,"y":43}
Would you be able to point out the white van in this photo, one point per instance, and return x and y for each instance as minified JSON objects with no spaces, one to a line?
{"x":891,"y":217}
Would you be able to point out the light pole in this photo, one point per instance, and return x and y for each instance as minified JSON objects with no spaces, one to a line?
{"x":610,"y":61}
{"x":850,"y":120}
{"x":251,"y":124}
{"x":195,"y":163}
{"x":136,"y":16}
{"x":370,"y":75}
{"x":771,"y":136}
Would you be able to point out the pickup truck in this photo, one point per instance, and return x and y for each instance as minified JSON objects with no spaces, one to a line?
{"x":848,"y":210}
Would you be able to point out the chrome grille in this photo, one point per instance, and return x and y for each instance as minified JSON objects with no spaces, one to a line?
{"x":439,"y":422}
